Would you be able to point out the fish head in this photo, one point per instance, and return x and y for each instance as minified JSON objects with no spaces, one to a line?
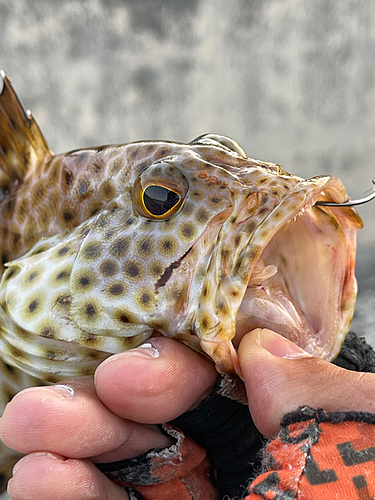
{"x":194,"y":241}
{"x":209,"y":244}
{"x":197,"y":242}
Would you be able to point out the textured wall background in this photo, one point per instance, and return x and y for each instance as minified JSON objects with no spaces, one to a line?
{"x":293,"y":81}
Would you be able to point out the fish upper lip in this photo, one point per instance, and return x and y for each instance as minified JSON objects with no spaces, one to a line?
{"x":365,"y":198}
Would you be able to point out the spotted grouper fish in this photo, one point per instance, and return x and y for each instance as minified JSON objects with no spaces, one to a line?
{"x":102,"y":247}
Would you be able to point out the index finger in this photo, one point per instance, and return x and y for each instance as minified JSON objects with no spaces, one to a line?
{"x":156,"y":382}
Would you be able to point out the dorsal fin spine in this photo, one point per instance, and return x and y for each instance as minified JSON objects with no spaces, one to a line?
{"x":22,"y":144}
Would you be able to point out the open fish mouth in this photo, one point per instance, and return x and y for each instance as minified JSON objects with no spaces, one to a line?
{"x":292,"y":271}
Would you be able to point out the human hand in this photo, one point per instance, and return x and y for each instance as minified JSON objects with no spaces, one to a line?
{"x":65,"y":428}
{"x":147,"y":389}
{"x":280,"y":377}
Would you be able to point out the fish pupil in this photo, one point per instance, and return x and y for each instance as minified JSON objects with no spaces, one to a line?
{"x":159,"y":200}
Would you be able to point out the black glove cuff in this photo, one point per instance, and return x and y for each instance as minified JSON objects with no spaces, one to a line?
{"x":224,"y":427}
{"x":356,"y":355}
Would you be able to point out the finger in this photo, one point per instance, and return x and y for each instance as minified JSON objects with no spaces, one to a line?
{"x":52,"y":477}
{"x":70,"y":420}
{"x":280,"y":377}
{"x":154,"y":383}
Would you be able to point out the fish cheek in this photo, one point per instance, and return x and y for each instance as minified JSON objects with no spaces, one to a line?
{"x":111,"y":294}
{"x":139,"y":269}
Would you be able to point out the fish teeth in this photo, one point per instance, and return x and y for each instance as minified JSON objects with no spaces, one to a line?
{"x":302,"y":211}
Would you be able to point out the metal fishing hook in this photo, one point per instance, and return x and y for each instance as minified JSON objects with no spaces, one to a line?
{"x":367,"y":196}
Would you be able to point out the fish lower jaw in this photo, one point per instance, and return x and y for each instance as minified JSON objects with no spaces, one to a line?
{"x":303,"y":285}
{"x":271,"y":307}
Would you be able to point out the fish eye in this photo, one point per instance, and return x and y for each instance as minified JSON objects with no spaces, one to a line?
{"x":160,"y":201}
{"x":160,"y":191}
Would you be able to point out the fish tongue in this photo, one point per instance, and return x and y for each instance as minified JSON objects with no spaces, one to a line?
{"x":267,"y":304}
{"x":261,"y":273}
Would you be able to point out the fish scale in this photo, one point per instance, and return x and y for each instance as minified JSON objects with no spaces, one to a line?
{"x":102,"y":247}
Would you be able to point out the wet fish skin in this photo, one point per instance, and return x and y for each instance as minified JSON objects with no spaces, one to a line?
{"x":80,"y":216}
{"x":100,"y":247}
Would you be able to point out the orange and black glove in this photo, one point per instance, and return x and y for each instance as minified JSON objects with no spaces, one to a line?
{"x":319,"y":455}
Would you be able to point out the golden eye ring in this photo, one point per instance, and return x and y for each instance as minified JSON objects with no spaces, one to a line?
{"x":159,"y":202}
{"x":159,"y":191}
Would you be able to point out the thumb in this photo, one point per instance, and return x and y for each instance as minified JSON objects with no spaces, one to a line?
{"x":280,"y":376}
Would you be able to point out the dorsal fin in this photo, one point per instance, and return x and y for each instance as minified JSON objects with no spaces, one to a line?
{"x":22,"y":144}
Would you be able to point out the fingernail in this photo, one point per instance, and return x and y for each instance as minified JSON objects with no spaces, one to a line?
{"x":146,"y":350}
{"x":16,"y":466}
{"x":38,"y":454}
{"x":65,"y":390}
{"x":280,"y":346}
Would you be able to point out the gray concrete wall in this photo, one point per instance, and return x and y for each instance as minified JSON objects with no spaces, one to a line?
{"x":293,"y":81}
